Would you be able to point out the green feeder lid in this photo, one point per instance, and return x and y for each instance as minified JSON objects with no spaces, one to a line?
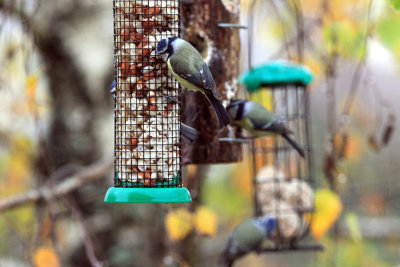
{"x":147,"y":195}
{"x":276,"y":73}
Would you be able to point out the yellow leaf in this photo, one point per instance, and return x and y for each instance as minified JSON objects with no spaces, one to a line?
{"x":312,"y":6}
{"x":31,"y":86}
{"x":178,"y":224}
{"x":205,"y":221}
{"x":354,"y":147}
{"x":313,"y":64}
{"x":45,"y":257}
{"x":242,"y":177}
{"x":350,"y":146}
{"x":191,"y":170}
{"x":339,"y":9}
{"x":327,"y":210}
{"x":19,"y":166}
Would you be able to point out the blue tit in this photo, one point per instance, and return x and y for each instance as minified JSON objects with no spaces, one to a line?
{"x":248,"y":236}
{"x":188,"y":133}
{"x":259,"y":121}
{"x":190,"y":70}
{"x":113,"y":90}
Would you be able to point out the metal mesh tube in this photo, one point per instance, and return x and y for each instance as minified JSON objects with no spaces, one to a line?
{"x":147,"y":124}
{"x":282,"y":179}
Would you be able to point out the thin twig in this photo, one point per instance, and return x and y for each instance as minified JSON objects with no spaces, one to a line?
{"x":283,"y":26}
{"x":358,"y":72}
{"x":298,"y":13}
{"x":250,"y":32}
{"x":330,"y":74}
{"x":87,"y":240}
{"x":88,"y":175}
{"x":293,"y":39}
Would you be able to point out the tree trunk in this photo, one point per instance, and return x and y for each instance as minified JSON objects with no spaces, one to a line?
{"x":221,"y":49}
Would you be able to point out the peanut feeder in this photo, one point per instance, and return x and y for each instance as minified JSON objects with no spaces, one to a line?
{"x":147,"y":150}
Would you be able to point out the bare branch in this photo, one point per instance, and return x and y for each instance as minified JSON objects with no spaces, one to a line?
{"x":88,"y":175}
{"x":292,"y":40}
{"x":250,"y":23}
{"x":298,"y":13}
{"x":87,"y":240}
{"x":10,"y":8}
{"x":358,"y":72}
{"x":282,"y":23}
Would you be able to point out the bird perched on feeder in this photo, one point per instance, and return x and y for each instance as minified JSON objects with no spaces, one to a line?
{"x":248,"y":236}
{"x":190,"y":70}
{"x":259,"y":121}
{"x":188,"y":133}
{"x":113,"y":90}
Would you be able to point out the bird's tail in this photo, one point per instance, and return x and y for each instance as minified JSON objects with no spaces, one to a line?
{"x":225,"y":260}
{"x":294,"y":144}
{"x":189,"y":133}
{"x":222,"y":114}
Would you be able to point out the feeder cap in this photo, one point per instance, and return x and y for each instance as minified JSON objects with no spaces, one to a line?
{"x":276,"y":73}
{"x":147,"y":195}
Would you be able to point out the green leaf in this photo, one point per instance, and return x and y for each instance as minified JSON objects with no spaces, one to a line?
{"x":395,"y":4}
{"x":345,"y":37}
{"x":388,"y":30}
{"x":353,"y":226}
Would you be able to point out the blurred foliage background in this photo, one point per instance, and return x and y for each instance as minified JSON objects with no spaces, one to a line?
{"x":56,"y":121}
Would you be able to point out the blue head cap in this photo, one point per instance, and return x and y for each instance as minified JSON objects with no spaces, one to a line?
{"x":113,"y":89}
{"x":269,"y":224}
{"x":162,"y":46}
{"x":236,"y":109}
{"x":165,"y":45}
{"x":237,"y":102}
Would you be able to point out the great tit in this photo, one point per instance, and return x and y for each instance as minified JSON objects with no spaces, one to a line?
{"x":248,"y":236}
{"x":190,"y":70}
{"x":259,"y":121}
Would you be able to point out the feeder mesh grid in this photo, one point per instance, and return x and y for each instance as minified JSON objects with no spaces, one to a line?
{"x":282,"y":179}
{"x":147,"y":123}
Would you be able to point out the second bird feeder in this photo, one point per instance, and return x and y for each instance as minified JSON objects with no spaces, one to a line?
{"x":147,"y":150}
{"x":282,"y":178}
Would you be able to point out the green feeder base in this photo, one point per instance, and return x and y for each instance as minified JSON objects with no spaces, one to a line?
{"x":147,"y":195}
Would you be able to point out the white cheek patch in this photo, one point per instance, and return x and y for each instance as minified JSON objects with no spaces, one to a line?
{"x":164,"y":57}
{"x":177,"y":44}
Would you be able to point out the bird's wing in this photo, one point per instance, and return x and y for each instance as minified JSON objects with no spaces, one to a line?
{"x":201,"y":78}
{"x":260,"y":125}
{"x":274,"y":126}
{"x":259,"y":120}
{"x":260,"y":117}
